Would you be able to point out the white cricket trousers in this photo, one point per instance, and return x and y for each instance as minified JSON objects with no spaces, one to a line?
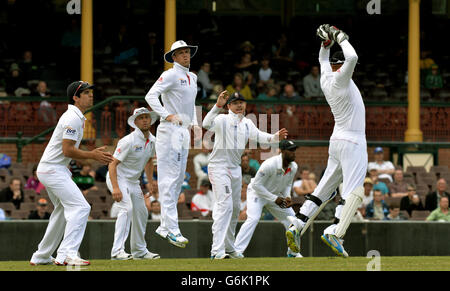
{"x":255,"y":205}
{"x":226,"y":184}
{"x":347,"y":164}
{"x":131,"y":213}
{"x":69,"y":217}
{"x":172,"y":149}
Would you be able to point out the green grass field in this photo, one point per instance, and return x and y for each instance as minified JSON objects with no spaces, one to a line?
{"x":250,"y":264}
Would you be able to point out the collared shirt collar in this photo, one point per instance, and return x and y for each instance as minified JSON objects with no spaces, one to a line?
{"x":137,"y":132}
{"x":177,"y":66}
{"x":235,"y":116}
{"x":77,"y":111}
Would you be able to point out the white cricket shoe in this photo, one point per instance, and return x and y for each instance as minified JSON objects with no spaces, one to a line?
{"x":160,"y":232}
{"x":291,"y":254}
{"x":76,"y":261}
{"x":293,"y":234}
{"x":49,"y":262}
{"x":335,"y":243}
{"x":220,"y":256}
{"x":147,"y":256}
{"x":236,"y":255}
{"x":122,"y":256}
{"x":177,"y":240}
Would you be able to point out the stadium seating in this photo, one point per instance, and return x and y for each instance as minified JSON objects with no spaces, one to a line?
{"x":419,"y":214}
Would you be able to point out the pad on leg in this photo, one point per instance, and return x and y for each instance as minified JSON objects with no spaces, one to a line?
{"x":348,"y":210}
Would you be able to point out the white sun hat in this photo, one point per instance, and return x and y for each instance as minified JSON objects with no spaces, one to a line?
{"x":177,"y":45}
{"x":139,"y":111}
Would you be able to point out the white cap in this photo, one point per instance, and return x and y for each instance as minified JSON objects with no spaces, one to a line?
{"x":140,"y":111}
{"x":177,"y":45}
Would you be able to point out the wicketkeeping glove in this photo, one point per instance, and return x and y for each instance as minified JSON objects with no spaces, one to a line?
{"x":323,"y":33}
{"x":337,"y":35}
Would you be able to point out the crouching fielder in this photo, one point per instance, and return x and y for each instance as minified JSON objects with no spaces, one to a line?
{"x":232,"y":132}
{"x":270,"y":188}
{"x":347,"y":159}
{"x":133,"y":154}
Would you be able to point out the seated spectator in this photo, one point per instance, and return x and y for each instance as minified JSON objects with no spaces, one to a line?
{"x":75,"y":167}
{"x":441,"y":213}
{"x":385,"y":168}
{"x":378,"y":185}
{"x":377,"y":209}
{"x":270,"y":93}
{"x":155,"y":210}
{"x":433,"y":80}
{"x":411,"y":201}
{"x":203,"y":78}
{"x":246,"y":64}
{"x":14,"y":80}
{"x":253,"y":163}
{"x":289,"y":93}
{"x":432,"y":199}
{"x":311,"y":83}
{"x":84,"y":179}
{"x":13,"y":193}
{"x":247,"y":172}
{"x":41,"y":210}
{"x":368,"y":194}
{"x":305,"y":185}
{"x":203,"y":200}
{"x":200,"y":161}
{"x":243,"y":207}
{"x":394,"y":213}
{"x":239,"y":85}
{"x":265,"y":72}
{"x":34,"y":183}
{"x":45,"y":111}
{"x":29,"y":68}
{"x":398,"y":188}
{"x":281,"y":50}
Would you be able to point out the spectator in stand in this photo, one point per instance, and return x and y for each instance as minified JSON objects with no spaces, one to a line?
{"x":15,"y":80}
{"x":41,"y":210}
{"x":394,"y":214}
{"x":155,"y":210}
{"x":46,"y":111}
{"x":203,"y":200}
{"x":84,"y":180}
{"x":433,"y":81}
{"x":239,"y":85}
{"x":246,"y":63}
{"x":305,"y":185}
{"x":377,"y":208}
{"x":247,"y":172}
{"x":432,"y":199}
{"x":13,"y":193}
{"x":281,"y":50}
{"x":289,"y":93}
{"x":378,"y":185}
{"x":265,"y":72}
{"x":385,"y":168}
{"x":75,"y":167}
{"x":243,"y":209}
{"x":200,"y":161}
{"x":33,"y":182}
{"x":28,"y":67}
{"x":411,"y":201}
{"x":270,"y":93}
{"x":368,"y":193}
{"x":253,"y":163}
{"x":311,"y":84}
{"x":398,"y":188}
{"x":203,"y":78}
{"x":441,"y":213}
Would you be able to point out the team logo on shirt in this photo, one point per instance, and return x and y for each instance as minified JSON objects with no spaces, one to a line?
{"x":118,"y":150}
{"x":138,"y":148}
{"x":183,"y":82}
{"x":160,"y":79}
{"x":70,"y":130}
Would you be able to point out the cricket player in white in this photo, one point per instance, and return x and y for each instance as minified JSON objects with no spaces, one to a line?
{"x":347,"y":160}
{"x":134,"y":154}
{"x":232,"y":132}
{"x":70,"y":215}
{"x":178,"y":89}
{"x":270,"y":188}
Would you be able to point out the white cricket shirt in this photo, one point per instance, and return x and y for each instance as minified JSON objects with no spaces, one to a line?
{"x":232,"y":132}
{"x":343,"y":96}
{"x":133,"y":151}
{"x":178,"y":89}
{"x":272,"y":181}
{"x":385,"y":165}
{"x":70,"y":126}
